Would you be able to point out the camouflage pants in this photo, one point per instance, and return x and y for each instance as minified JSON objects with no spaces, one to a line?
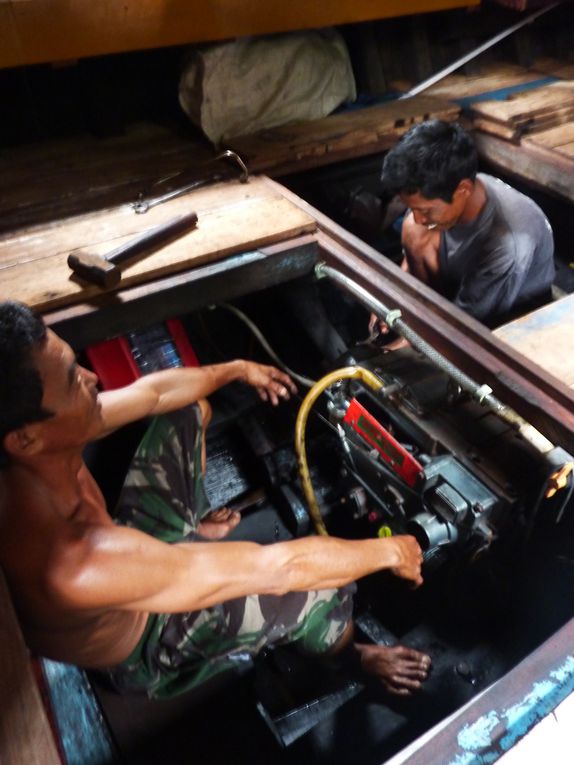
{"x":164,"y":496}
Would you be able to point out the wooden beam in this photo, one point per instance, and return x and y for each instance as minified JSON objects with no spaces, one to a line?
{"x":111,"y":315}
{"x":85,"y":173}
{"x":25,"y":734}
{"x":525,"y":107}
{"x":546,"y":337}
{"x":37,"y":31}
{"x":546,"y":169}
{"x":357,"y":133}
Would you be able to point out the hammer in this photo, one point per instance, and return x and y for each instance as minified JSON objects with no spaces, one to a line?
{"x":104,"y":271}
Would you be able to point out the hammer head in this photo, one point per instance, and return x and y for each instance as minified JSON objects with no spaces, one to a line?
{"x":94,"y":269}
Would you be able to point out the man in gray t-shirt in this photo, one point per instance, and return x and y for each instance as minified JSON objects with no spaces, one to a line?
{"x":472,"y":237}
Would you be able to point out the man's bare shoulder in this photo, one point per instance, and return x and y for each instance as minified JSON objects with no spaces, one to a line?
{"x":44,"y":555}
{"x":37,"y":521}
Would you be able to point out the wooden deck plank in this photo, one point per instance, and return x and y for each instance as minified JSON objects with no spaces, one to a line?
{"x":555,"y":67}
{"x":528,"y":129}
{"x":493,"y":76}
{"x":496,"y":128}
{"x":556,"y":136}
{"x":339,"y":136}
{"x":59,"y":178}
{"x":233,"y":217}
{"x":525,"y":106}
{"x":105,"y":226}
{"x":546,"y":337}
{"x":567,"y":149}
{"x":544,"y":167}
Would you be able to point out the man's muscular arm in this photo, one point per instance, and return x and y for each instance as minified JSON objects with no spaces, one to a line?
{"x":118,"y":567}
{"x":171,"y":389}
{"x":420,"y":250}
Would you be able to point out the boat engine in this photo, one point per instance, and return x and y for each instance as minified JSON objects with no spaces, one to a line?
{"x":419,"y":457}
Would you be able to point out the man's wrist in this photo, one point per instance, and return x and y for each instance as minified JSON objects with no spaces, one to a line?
{"x":392,"y":551}
{"x":228,"y":371}
{"x":239,"y":367}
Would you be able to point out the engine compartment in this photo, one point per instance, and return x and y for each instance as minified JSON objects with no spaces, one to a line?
{"x":417,"y":457}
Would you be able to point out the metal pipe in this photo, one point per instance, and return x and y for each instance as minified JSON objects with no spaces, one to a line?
{"x":301,"y":379}
{"x":480,"y":393}
{"x":476,"y":52}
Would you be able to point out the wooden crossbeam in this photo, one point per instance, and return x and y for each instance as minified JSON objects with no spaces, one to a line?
{"x":340,"y":136}
{"x":25,"y":734}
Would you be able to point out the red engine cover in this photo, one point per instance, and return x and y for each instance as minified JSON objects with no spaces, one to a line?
{"x":403,"y":463}
{"x":115,"y":366}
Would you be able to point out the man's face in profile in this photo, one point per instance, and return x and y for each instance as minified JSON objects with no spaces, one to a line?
{"x":70,"y":393}
{"x":436,"y":214}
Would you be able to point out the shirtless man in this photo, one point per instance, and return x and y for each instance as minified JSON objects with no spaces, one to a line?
{"x":159,"y":612}
{"x":479,"y":242}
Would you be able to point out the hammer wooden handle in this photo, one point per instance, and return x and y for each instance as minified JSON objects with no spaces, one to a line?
{"x":104,"y":271}
{"x":152,"y":238}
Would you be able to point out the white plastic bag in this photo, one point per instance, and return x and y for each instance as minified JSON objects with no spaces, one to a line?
{"x":239,"y":87}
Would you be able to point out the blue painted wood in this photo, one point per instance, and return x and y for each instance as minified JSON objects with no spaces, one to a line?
{"x":82,"y":730}
{"x":501,"y":94}
{"x":494,"y":722}
{"x":555,"y":315}
{"x":546,"y":337}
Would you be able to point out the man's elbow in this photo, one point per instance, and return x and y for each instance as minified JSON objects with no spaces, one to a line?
{"x":277,"y":569}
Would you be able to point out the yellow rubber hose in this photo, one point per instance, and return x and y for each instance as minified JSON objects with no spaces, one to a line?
{"x":354,"y":373}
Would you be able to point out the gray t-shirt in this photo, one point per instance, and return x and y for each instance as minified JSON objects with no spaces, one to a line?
{"x":502,"y":259}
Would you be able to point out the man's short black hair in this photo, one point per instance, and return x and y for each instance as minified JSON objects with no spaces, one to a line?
{"x":21,"y":333}
{"x":431,"y":159}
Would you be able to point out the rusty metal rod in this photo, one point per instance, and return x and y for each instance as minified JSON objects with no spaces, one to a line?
{"x":476,"y":52}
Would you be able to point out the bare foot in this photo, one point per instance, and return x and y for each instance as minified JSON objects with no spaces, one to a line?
{"x":218,"y":523}
{"x":401,"y":670}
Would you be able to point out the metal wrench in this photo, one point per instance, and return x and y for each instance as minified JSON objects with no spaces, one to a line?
{"x":142,"y":205}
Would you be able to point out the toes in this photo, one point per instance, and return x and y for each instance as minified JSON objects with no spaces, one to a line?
{"x":404,"y":681}
{"x":219,"y":515}
{"x":412,"y":654}
{"x":413,"y":659}
{"x":401,"y":686}
{"x":399,"y":691}
{"x":401,"y":670}
{"x":415,"y":671}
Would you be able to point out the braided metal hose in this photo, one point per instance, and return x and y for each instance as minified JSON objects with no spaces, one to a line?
{"x":481,"y":393}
